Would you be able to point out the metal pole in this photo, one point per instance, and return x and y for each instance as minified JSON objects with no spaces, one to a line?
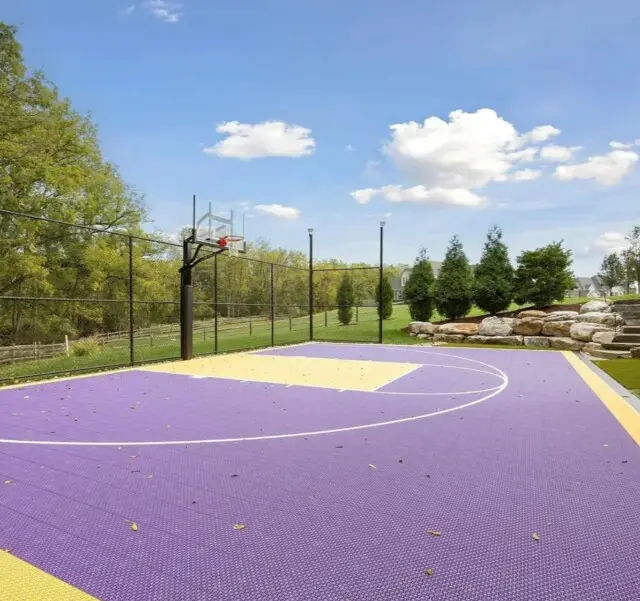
{"x":381,"y":279}
{"x":193,"y":227}
{"x":131,"y":348}
{"x":273,"y":309}
{"x":215,"y":304}
{"x":310,"y":284}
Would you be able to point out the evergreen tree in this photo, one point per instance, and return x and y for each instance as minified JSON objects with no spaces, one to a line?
{"x":453,"y":290}
{"x":418,"y":291}
{"x":345,"y":300}
{"x":612,"y":272}
{"x":493,"y":276}
{"x":543,"y":275}
{"x":387,"y":298}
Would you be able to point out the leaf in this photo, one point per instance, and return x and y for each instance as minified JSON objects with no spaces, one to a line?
{"x":134,"y":526}
{"x":8,"y":481}
{"x":373,"y":467}
{"x":434,"y":532}
{"x":535,"y":536}
{"x":428,"y":572}
{"x":239,"y":526}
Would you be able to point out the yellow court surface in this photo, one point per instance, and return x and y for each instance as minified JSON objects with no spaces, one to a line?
{"x":20,"y":581}
{"x":340,"y":374}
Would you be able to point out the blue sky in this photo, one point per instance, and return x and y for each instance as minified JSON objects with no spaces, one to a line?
{"x":542,"y":89}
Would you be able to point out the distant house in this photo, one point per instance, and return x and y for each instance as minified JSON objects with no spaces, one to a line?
{"x":400,"y":282}
{"x":594,"y":288}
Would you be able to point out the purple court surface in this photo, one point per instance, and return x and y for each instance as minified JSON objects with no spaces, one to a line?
{"x":529,"y":486}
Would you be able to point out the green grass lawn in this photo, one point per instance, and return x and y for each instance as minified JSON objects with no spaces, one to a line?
{"x":624,"y":371}
{"x":167,"y":346}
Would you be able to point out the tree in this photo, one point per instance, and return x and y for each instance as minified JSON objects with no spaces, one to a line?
{"x":387,"y":299}
{"x":628,"y":264}
{"x":634,"y":252}
{"x":543,"y":275}
{"x":453,"y":290}
{"x":611,"y":272}
{"x":418,"y":291}
{"x":345,"y":300}
{"x":493,"y":276}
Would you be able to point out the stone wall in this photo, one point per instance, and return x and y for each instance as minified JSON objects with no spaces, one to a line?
{"x":587,"y":329}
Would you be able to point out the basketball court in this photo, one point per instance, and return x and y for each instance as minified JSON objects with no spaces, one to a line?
{"x":323,"y":472}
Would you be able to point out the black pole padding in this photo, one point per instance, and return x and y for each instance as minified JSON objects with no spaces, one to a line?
{"x":186,"y":322}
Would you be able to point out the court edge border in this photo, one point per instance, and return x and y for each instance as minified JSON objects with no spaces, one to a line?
{"x":624,"y":412}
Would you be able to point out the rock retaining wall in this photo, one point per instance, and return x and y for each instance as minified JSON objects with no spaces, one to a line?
{"x":585,"y":329}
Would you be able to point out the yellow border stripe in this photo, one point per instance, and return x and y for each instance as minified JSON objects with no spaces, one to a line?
{"x":625,"y":413}
{"x":20,"y":581}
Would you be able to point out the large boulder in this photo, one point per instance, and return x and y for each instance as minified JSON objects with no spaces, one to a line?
{"x":529,"y":326}
{"x":557,"y":328}
{"x":414,"y":327}
{"x":478,"y":339}
{"x":537,"y":341}
{"x":561,"y":316}
{"x":507,"y":340}
{"x":466,"y":329}
{"x":448,"y":337}
{"x":607,"y":319}
{"x":603,"y":337}
{"x":496,"y":326}
{"x":635,"y":353}
{"x":428,"y":328}
{"x":532,"y":313}
{"x":424,"y":336}
{"x":585,"y":331}
{"x":590,"y":347}
{"x":565,"y":344}
{"x":595,"y":305}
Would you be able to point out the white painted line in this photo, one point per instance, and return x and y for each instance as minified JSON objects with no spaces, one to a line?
{"x":503,"y":376}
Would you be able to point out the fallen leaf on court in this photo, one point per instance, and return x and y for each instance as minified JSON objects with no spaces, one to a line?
{"x":8,"y":481}
{"x":605,"y":445}
{"x":428,"y":572}
{"x":134,"y":527}
{"x":133,"y":456}
{"x":149,"y":476}
{"x":239,"y":526}
{"x":234,"y":475}
{"x":132,"y":407}
{"x":372,"y":466}
{"x":535,"y":536}
{"x":434,"y":532}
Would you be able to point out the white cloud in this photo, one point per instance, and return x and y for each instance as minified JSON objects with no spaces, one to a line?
{"x":542,"y":133}
{"x":362,"y":197}
{"x":525,"y":175}
{"x":164,"y":10}
{"x":127,"y":11}
{"x":267,"y":139}
{"x":606,"y":243}
{"x":558,"y":154}
{"x":349,"y":148}
{"x":279,"y":211}
{"x":421,"y":195}
{"x":607,"y":170}
{"x":621,"y":145}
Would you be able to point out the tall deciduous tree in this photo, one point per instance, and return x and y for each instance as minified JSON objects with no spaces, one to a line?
{"x":384,"y":299}
{"x":418,"y":291}
{"x":493,"y":276}
{"x":345,"y":300}
{"x":611,"y":272}
{"x":634,"y":252}
{"x":627,"y":259}
{"x":453,"y":290}
{"x":543,"y":275}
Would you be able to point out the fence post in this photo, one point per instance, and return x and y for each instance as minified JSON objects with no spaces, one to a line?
{"x":215,"y":304}
{"x":357,"y":317}
{"x":326,"y":315}
{"x":250,"y":327}
{"x":131,"y":347}
{"x":310,"y":284}
{"x":66,"y":344}
{"x":380,"y":282}
{"x":186,"y":304}
{"x":290,"y":323}
{"x":273,"y":309}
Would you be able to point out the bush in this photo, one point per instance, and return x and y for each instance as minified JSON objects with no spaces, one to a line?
{"x":453,"y":290}
{"x":85,"y":347}
{"x":543,"y":275}
{"x":387,"y":299}
{"x":345,"y":300}
{"x":418,"y":291}
{"x":493,"y":277}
